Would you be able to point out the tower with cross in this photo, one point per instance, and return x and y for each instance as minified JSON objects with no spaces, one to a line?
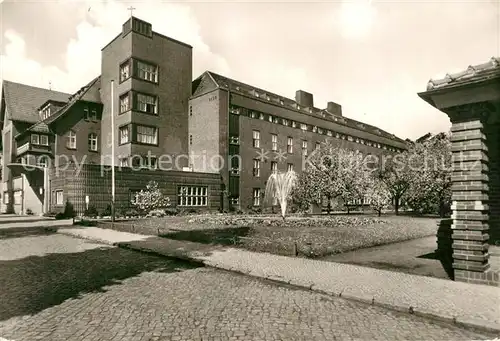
{"x":131,"y":9}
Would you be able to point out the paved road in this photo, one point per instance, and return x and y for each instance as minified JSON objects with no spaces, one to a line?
{"x":55,"y":288}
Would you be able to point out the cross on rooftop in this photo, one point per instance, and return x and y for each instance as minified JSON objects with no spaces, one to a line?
{"x":131,"y":9}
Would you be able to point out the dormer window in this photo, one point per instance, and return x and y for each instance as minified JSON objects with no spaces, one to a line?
{"x":261,"y":116}
{"x":35,"y":139}
{"x":281,"y":102}
{"x":271,"y":118}
{"x":44,"y":140}
{"x":45,"y":112}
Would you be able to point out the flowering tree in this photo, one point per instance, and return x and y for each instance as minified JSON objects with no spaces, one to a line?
{"x":430,"y":183}
{"x":378,"y":195}
{"x":332,"y":172}
{"x":279,"y":187}
{"x":396,"y":173}
{"x":150,"y":199}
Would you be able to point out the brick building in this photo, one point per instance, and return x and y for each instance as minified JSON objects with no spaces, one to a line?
{"x":269,"y":133}
{"x":56,"y":145}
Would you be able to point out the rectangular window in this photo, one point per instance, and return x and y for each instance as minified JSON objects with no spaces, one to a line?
{"x":318,"y":144}
{"x":294,"y":124}
{"x":44,"y":140}
{"x":71,"y":144}
{"x":6,"y":198}
{"x":147,"y":103}
{"x":271,"y":118}
{"x":261,"y":116}
{"x":86,"y":113}
{"x":285,"y":122}
{"x":93,"y":115}
{"x":303,"y":126}
{"x":125,"y":103}
{"x":18,"y":197}
{"x":124,"y":135}
{"x":256,"y":196}
{"x":274,"y":167}
{"x":304,"y":147}
{"x":125,"y":71}
{"x":289,"y":167}
{"x":256,"y":168}
{"x":314,"y":129}
{"x":35,"y":139}
{"x":192,"y":196}
{"x":289,"y":145}
{"x":93,"y":142}
{"x":274,"y":141}
{"x":147,"y":72}
{"x":147,"y":135}
{"x":59,"y":198}
{"x":256,"y":139}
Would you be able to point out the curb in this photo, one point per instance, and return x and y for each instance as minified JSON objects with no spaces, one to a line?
{"x":464,"y":322}
{"x":29,"y":229}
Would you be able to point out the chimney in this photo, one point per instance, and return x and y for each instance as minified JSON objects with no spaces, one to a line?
{"x":305,"y":99}
{"x":334,"y":108}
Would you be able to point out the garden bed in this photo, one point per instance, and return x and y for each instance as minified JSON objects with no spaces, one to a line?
{"x":302,"y":236}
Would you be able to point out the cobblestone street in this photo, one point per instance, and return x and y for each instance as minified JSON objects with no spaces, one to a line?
{"x":55,"y":287}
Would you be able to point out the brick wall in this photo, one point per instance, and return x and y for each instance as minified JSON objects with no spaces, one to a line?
{"x":493,"y":141}
{"x":96,"y":183}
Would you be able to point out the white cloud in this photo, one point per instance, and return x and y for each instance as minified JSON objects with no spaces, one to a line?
{"x":356,"y":18}
{"x":83,"y":54}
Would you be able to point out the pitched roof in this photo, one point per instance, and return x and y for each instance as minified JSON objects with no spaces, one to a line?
{"x":474,"y":73}
{"x":245,"y":89}
{"x":89,"y":92}
{"x":40,"y":127}
{"x":23,"y":101}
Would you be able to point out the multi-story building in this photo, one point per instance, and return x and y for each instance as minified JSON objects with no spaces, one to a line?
{"x":210,"y":143}
{"x":268,"y":132}
{"x":56,"y":144}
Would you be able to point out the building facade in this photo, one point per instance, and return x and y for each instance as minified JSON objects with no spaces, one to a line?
{"x":55,"y":143}
{"x":211,"y":143}
{"x":247,"y":133}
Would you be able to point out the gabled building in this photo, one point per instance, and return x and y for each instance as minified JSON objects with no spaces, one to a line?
{"x":210,"y":143}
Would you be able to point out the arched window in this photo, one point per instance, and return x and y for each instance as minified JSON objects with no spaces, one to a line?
{"x":71,"y":140}
{"x":93,"y":142}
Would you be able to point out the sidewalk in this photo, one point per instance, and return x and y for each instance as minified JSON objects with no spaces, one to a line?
{"x":31,"y":224}
{"x":465,"y":304}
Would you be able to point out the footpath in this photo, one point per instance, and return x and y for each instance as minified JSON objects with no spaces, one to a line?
{"x":464,"y":304}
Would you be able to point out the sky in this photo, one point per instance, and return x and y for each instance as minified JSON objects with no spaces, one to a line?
{"x":370,"y":56}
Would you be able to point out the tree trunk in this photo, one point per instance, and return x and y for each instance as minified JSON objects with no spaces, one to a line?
{"x":329,"y":206}
{"x":396,"y":205}
{"x":379,"y":213}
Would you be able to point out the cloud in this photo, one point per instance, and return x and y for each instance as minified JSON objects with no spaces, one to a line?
{"x":355,"y":18}
{"x":82,"y":57}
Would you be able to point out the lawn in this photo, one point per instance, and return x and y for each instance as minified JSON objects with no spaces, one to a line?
{"x":302,"y":236}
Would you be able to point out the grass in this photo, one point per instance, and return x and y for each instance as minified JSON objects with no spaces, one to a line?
{"x":312,"y":237}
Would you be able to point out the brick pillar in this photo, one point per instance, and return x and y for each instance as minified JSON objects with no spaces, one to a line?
{"x":470,"y":193}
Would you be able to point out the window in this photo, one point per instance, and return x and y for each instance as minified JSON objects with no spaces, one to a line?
{"x":147,"y":103}
{"x":190,"y":110}
{"x":289,"y":145}
{"x":147,"y":135}
{"x":256,"y":139}
{"x":125,"y":71}
{"x":124,"y":162}
{"x":314,"y":129}
{"x":190,"y":139}
{"x":261,"y":116}
{"x":59,"y":198}
{"x":124,"y":135}
{"x":44,"y":140}
{"x":320,"y":130}
{"x":274,"y":141}
{"x":192,"y":196}
{"x":294,"y":124}
{"x":93,"y":142}
{"x":350,"y":138}
{"x":289,"y":167}
{"x":274,"y":167}
{"x":285,"y":122}
{"x":253,"y":114}
{"x":6,"y":198}
{"x":93,"y":115}
{"x":18,"y":197}
{"x":318,"y":144}
{"x":234,"y":200}
{"x":147,"y":72}
{"x":304,"y":147}
{"x":329,"y":133}
{"x":42,"y":161}
{"x":303,"y":126}
{"x":86,"y":113}
{"x":271,"y":118}
{"x":35,"y":139}
{"x":124,"y":103}
{"x":256,"y":168}
{"x":256,"y":196}
{"x":71,"y":140}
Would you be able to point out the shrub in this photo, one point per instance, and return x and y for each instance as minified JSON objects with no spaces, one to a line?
{"x":106,"y":212}
{"x":60,"y":215}
{"x":151,"y":198}
{"x":69,"y":210}
{"x":91,"y":212}
{"x":29,"y":211}
{"x":132,"y":213}
{"x":50,"y":214}
{"x":171,"y":211}
{"x":156,"y":213}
